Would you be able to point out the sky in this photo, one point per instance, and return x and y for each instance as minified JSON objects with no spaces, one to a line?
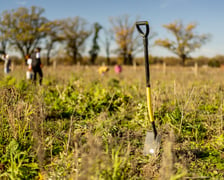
{"x":208,"y":14}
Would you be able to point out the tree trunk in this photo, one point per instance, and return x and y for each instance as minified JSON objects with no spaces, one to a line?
{"x":108,"y":60}
{"x":125,"y":59}
{"x":130,"y":59}
{"x":48,"y":54}
{"x":74,"y":57}
{"x":48,"y":58}
{"x":93,"y":58}
{"x":183,"y":57}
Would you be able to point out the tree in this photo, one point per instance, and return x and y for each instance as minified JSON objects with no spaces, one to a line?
{"x":186,"y":41}
{"x":107,"y":44}
{"x":3,"y":44}
{"x":95,"y":47}
{"x":75,"y":35}
{"x":53,"y":35}
{"x":125,"y":37}
{"x":3,"y":38}
{"x":25,"y":28}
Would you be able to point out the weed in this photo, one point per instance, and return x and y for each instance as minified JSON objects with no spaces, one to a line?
{"x":82,"y":126}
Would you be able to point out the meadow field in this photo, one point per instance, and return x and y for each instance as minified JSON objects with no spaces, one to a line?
{"x":81,"y":125}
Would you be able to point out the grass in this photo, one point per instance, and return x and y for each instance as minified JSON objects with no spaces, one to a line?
{"x":80,"y":125}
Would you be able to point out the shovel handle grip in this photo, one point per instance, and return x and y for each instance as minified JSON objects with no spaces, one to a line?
{"x":139,"y":24}
{"x":144,"y":35}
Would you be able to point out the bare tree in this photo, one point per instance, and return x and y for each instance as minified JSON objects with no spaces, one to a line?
{"x":125,"y":37}
{"x":186,"y":41}
{"x":75,"y":34}
{"x":53,"y":35}
{"x":107,"y":44}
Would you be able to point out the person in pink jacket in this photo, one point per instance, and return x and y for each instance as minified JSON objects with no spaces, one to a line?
{"x":118,"y":69}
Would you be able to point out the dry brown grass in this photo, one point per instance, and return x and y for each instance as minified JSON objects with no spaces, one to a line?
{"x":176,"y":87}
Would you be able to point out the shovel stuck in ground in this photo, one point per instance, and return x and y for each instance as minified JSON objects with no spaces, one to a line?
{"x":153,"y":139}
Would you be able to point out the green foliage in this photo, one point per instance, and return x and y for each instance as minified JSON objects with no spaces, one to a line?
{"x":208,"y":159}
{"x":90,"y":101}
{"x":186,"y":41}
{"x":18,"y":163}
{"x":8,"y":81}
{"x":83,"y":126}
{"x":214,"y":63}
{"x":24,"y":28}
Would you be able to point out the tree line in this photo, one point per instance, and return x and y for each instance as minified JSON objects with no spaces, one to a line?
{"x":24,"y":29}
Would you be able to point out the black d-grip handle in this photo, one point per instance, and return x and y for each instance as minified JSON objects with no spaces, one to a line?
{"x":143,"y":23}
{"x":145,"y":41}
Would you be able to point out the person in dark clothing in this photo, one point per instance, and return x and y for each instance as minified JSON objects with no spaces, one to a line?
{"x":7,"y":64}
{"x":36,"y":65}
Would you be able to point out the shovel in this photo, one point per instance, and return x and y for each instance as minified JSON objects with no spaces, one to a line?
{"x":153,"y":139}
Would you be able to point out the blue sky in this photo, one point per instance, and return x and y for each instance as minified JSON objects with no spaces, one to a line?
{"x":208,"y":14}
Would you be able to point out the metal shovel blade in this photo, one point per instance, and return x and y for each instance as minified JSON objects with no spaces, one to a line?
{"x":152,"y":144}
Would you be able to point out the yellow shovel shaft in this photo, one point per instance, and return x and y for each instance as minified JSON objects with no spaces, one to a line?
{"x":149,"y":104}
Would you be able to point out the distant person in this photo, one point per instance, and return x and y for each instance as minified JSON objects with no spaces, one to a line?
{"x":5,"y":57}
{"x":36,"y":65}
{"x":29,"y":72}
{"x":117,"y":69}
{"x":102,"y":70}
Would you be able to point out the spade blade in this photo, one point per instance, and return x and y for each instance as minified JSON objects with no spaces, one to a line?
{"x":152,"y":144}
